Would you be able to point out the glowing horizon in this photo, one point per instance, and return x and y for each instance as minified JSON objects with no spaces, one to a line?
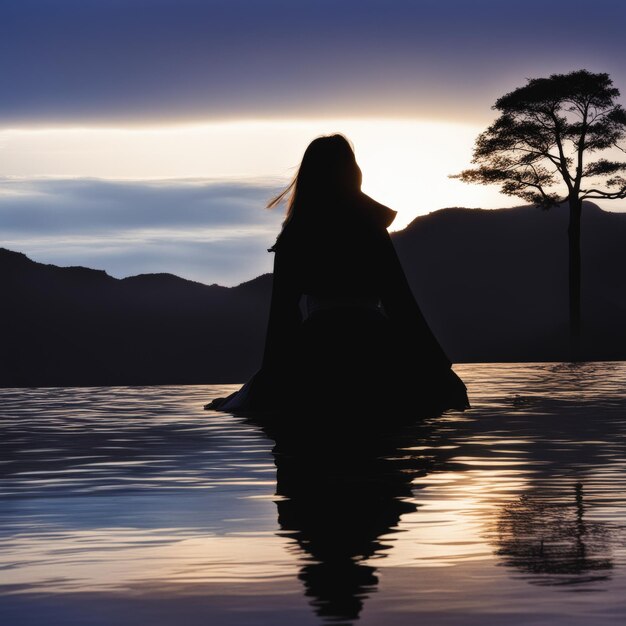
{"x":189,"y":198}
{"x":405,"y":163}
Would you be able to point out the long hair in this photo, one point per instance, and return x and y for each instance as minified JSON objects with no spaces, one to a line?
{"x":327,"y":175}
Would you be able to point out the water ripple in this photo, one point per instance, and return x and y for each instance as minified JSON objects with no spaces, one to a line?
{"x":137,"y":494}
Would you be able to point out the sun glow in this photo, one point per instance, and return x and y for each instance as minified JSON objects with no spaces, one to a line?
{"x":405,"y":163}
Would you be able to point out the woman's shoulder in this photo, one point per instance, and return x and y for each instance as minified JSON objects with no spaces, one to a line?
{"x":359,"y":214}
{"x":377,"y":213}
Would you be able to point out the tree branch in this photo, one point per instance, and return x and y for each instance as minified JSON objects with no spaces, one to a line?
{"x":557,"y":135}
{"x":609,"y":195}
{"x":581,"y":149}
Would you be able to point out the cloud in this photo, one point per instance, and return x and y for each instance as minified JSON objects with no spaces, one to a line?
{"x":89,"y":205}
{"x":203,"y":230}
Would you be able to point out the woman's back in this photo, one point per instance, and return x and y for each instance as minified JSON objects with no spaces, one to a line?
{"x":342,"y":256}
{"x":363,"y":345}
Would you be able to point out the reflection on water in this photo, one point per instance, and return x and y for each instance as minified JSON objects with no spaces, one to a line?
{"x":337,"y":506}
{"x":131,"y":505}
{"x":541,"y":536}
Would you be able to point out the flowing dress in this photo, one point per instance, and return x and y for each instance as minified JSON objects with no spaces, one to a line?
{"x":345,"y":334}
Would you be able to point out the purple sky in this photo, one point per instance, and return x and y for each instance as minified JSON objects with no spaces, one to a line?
{"x":105,"y":92}
{"x":139,"y":60}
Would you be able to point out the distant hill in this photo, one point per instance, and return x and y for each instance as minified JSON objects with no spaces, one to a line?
{"x":492,"y":283}
{"x":78,"y":326}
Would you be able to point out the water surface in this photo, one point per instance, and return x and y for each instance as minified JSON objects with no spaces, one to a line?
{"x":132,"y":505}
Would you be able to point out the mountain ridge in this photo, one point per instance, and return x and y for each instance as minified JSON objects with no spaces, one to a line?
{"x":492,"y":284}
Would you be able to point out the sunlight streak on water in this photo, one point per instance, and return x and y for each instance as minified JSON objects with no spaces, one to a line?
{"x":136,"y":499}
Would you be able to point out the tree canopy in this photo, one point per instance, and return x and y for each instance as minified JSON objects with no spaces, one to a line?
{"x":540,"y":146}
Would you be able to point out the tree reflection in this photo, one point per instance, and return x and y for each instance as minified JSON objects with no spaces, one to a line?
{"x":547,"y":537}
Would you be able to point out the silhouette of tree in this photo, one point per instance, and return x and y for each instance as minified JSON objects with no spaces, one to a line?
{"x":539,"y":147}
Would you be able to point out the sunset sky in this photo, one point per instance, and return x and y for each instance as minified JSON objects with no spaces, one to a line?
{"x":147,"y":135}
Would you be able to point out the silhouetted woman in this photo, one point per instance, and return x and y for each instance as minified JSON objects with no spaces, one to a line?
{"x":345,"y":334}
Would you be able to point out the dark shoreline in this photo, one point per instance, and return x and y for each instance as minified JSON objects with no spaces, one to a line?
{"x":491,"y":284}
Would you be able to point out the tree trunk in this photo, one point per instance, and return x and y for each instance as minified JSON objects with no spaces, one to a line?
{"x":573,"y":231}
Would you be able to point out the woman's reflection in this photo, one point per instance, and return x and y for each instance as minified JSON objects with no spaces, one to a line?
{"x":340,"y":500}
